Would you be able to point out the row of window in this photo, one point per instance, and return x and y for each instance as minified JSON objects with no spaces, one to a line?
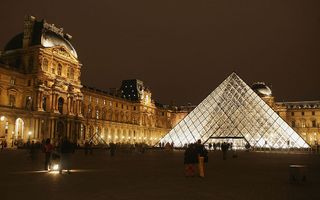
{"x":70,"y":70}
{"x":110,"y":103}
{"x":303,"y":124}
{"x":302,"y":113}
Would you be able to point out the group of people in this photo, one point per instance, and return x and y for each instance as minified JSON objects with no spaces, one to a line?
{"x":195,"y":155}
{"x":62,"y":153}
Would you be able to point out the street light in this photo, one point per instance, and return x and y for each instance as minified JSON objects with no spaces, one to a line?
{"x":29,"y":134}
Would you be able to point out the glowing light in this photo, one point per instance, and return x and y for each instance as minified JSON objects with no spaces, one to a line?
{"x":29,"y":133}
{"x":55,"y":167}
{"x":2,"y":118}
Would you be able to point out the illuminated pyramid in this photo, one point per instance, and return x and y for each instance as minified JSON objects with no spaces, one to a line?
{"x":233,"y":112}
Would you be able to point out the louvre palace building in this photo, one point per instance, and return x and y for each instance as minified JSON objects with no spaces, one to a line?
{"x":41,"y":96}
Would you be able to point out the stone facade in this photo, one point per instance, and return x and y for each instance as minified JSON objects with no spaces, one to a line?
{"x":41,"y":96}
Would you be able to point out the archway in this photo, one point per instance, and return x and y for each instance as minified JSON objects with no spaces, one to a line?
{"x":19,"y":129}
{"x":4,"y":125}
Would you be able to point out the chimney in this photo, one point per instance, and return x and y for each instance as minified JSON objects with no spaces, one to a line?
{"x":28,"y":30}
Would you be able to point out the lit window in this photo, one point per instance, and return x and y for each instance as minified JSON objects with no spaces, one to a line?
{"x":97,"y":114}
{"x":97,"y":100}
{"x":12,"y":81}
{"x":59,"y":70}
{"x":90,"y":98}
{"x":104,"y":102}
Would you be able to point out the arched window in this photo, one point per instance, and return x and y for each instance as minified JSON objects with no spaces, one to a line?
{"x":60,"y":105}
{"x":28,"y":103}
{"x":44,"y":103}
{"x":59,"y":69}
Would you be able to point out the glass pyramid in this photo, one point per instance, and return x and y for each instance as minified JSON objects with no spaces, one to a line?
{"x":233,"y":112}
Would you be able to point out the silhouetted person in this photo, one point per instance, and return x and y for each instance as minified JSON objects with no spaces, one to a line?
{"x":32,"y":149}
{"x":91,"y":148}
{"x":66,"y":149}
{"x":201,"y":154}
{"x":48,"y":148}
{"x":190,"y":160}
{"x":86,"y":148}
{"x":224,"y":149}
{"x":112,"y":149}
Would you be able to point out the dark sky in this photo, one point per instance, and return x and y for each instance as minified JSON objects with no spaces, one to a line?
{"x":183,"y":49}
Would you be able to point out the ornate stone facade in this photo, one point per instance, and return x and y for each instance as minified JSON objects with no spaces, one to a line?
{"x":42,"y":96}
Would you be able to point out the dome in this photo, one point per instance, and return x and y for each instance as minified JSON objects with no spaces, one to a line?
{"x":261,"y":89}
{"x":14,"y":43}
{"x":42,"y":36}
{"x":51,"y":39}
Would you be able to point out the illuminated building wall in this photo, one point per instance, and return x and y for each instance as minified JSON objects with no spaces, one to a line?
{"x":42,"y":96}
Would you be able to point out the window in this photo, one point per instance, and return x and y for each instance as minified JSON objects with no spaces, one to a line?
{"x":71,"y":73}
{"x":53,"y":70}
{"x":302,"y":113}
{"x":303,"y":124}
{"x":97,"y":113}
{"x":134,"y":108}
{"x":12,"y":100}
{"x":293,"y":124}
{"x":29,"y":82}
{"x":97,"y":101}
{"x":28,"y":103}
{"x":292,"y":113}
{"x":314,"y":123}
{"x":313,"y":113}
{"x":12,"y":81}
{"x":90,"y":99}
{"x":104,"y":102}
{"x":44,"y":103}
{"x":59,"y":70}
{"x":45,"y":65}
{"x":60,"y":105}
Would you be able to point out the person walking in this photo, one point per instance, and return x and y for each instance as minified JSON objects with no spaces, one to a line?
{"x":48,"y":148}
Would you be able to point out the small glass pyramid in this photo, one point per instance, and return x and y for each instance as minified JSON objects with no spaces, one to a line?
{"x":233,"y":112}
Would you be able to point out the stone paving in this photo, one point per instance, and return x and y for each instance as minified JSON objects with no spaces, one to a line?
{"x":158,"y":175}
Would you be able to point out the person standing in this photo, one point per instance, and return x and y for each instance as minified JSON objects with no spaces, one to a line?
{"x":48,"y":148}
{"x":65,"y":150}
{"x":200,"y":153}
{"x":190,"y":160}
{"x":224,"y":149}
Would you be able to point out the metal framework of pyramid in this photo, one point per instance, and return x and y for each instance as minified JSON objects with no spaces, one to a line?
{"x":234,"y":112}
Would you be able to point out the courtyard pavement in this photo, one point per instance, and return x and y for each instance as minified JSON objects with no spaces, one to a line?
{"x":158,"y":175}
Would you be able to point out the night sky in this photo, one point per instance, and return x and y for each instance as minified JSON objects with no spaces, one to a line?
{"x":183,"y":49}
